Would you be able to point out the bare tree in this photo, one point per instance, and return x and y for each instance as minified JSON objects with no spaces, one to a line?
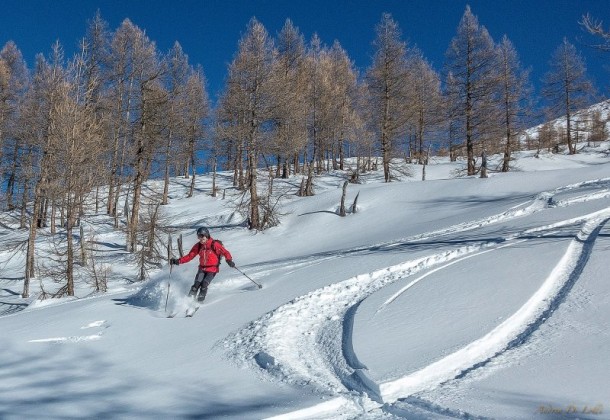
{"x":515,"y":89}
{"x":78,"y":132}
{"x":566,"y":87}
{"x":426,"y":102}
{"x":247,"y":105}
{"x":152,"y":248}
{"x":95,"y":50}
{"x":177,"y":75}
{"x":140,"y":99}
{"x":195,"y":110}
{"x":387,"y":79}
{"x":230,"y":130}
{"x":121,"y":98}
{"x":95,"y":53}
{"x":595,"y":27}
{"x":14,"y":83}
{"x":37,"y":132}
{"x":62,"y":135}
{"x":598,"y":131}
{"x":471,"y":60}
{"x":547,"y":137}
{"x":452,"y":111}
{"x":315,"y":101}
{"x":344,"y":92}
{"x":290,"y":94}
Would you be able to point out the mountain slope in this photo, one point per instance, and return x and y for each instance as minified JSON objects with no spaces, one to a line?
{"x":445,"y":298}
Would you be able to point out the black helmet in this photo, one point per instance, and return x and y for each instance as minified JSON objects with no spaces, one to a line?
{"x":203,"y":232}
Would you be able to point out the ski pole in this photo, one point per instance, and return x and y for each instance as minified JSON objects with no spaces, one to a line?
{"x":169,"y":283}
{"x":260,"y":286}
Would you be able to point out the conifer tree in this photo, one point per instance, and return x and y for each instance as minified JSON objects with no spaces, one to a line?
{"x":426,"y":102}
{"x":14,"y":83}
{"x":471,"y":60}
{"x":388,"y":80}
{"x":291,"y":119}
{"x":567,"y":87}
{"x":247,"y":106}
{"x":514,"y":92}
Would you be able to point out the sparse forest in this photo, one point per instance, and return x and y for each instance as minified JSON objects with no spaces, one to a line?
{"x":87,"y":132}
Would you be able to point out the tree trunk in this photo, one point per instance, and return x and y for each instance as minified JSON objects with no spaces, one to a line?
{"x":342,"y":212}
{"x":168,"y":150}
{"x":70,"y":257}
{"x":193,"y":171}
{"x":254,"y":210}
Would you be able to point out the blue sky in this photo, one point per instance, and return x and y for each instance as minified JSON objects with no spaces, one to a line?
{"x":209,"y":30}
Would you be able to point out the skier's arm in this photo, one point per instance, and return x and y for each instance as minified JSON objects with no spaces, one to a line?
{"x":226,"y":254}
{"x":192,"y":254}
{"x":222,"y":250}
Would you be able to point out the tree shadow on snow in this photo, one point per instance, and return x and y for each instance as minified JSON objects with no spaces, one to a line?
{"x":47,"y":381}
{"x":483,"y":236}
{"x":73,"y":380}
{"x":202,"y":403}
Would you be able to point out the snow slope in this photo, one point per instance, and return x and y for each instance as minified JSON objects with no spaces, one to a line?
{"x":449,"y":298}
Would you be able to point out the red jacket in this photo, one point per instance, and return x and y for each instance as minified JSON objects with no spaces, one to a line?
{"x":209,"y":258}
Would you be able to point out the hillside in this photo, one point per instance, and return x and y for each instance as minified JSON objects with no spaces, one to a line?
{"x":448,"y":298}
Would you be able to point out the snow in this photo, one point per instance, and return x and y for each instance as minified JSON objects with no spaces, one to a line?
{"x":454,"y":297}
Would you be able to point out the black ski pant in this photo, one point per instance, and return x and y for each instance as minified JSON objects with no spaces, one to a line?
{"x":202,"y":281}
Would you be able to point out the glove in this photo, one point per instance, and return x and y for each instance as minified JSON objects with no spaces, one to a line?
{"x":231,"y":263}
{"x":174,"y":261}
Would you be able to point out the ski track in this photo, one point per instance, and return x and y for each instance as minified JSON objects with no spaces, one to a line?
{"x":516,"y":329}
{"x":442,"y":267}
{"x":308,"y":341}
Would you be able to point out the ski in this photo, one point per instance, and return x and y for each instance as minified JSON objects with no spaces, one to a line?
{"x":189,"y":314}
{"x":172,"y":315}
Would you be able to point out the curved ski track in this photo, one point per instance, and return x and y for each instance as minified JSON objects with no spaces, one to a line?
{"x":308,"y":341}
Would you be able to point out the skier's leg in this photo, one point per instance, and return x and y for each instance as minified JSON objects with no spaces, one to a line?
{"x":207,"y":279}
{"x":194,"y":288}
{"x":198,"y":281}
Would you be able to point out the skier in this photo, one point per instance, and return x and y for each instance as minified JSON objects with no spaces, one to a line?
{"x":210,"y":251}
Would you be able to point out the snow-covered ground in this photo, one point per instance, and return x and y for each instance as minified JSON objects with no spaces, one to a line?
{"x":448,"y":298}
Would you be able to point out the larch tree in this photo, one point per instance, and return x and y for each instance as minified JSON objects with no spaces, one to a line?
{"x":14,"y":83}
{"x":344,"y":101}
{"x":426,"y":102}
{"x":195,"y":106}
{"x":178,"y":70}
{"x":388,"y":83}
{"x":137,"y":101}
{"x":291,"y":119}
{"x":327,"y":85}
{"x":471,"y":60}
{"x":315,"y":105}
{"x":598,"y":130}
{"x":567,"y":88}
{"x":596,"y":28}
{"x":248,"y":105}
{"x":452,"y":110}
{"x":121,"y":99}
{"x":4,"y":105}
{"x":229,"y":128}
{"x":514,"y":93}
{"x":95,"y":50}
{"x":77,"y":133}
{"x":148,"y":135}
{"x":39,"y":124}
{"x":95,"y":54}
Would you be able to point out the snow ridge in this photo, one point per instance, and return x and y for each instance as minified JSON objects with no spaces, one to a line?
{"x":297,"y":342}
{"x":513,"y":331}
{"x":308,"y":341}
